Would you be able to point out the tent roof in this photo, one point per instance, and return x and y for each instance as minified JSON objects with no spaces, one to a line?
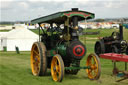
{"x":21,"y":34}
{"x":2,"y":34}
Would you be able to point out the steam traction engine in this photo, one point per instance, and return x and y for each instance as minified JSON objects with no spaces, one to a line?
{"x":113,"y":43}
{"x":116,"y":49}
{"x":60,"y":48}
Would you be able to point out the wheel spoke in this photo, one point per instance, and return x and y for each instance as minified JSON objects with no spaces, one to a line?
{"x":38,"y":59}
{"x":90,"y":62}
{"x":93,"y":62}
{"x":95,"y":70}
{"x":34,"y":62}
{"x":56,"y":70}
{"x":36,"y":52}
{"x":93,"y":66}
{"x":89,"y":71}
{"x":55,"y":73}
{"x":35,"y":68}
{"x":55,"y":62}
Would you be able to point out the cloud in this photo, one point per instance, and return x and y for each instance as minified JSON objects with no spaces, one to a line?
{"x":54,"y":0}
{"x":4,"y":4}
{"x":24,"y":4}
{"x":30,"y":9}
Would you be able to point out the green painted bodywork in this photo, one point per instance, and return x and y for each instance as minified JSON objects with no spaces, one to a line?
{"x":51,"y":52}
{"x":61,"y":49}
{"x":60,"y":17}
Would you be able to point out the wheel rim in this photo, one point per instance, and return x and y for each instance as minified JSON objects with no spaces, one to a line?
{"x":35,"y":60}
{"x":115,"y":35}
{"x":93,"y":71}
{"x":98,"y":49}
{"x":114,"y":49}
{"x":127,"y":50}
{"x":57,"y":69}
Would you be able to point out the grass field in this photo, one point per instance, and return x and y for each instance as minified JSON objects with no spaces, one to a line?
{"x":4,"y":30}
{"x":103,"y":32}
{"x":15,"y":70}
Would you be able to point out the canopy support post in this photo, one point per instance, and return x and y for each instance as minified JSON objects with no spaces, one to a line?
{"x":125,"y":66}
{"x":39,"y":32}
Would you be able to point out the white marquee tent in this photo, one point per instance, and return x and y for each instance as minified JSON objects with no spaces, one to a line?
{"x":21,"y":38}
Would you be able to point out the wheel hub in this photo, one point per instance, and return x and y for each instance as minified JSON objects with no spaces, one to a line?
{"x":54,"y":69}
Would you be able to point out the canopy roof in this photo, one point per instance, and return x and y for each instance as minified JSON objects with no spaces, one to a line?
{"x":60,"y":17}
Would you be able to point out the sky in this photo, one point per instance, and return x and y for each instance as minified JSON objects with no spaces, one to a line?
{"x":22,"y":10}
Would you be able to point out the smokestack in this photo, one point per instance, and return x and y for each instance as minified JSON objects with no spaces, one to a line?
{"x":121,"y":31}
{"x":74,"y":9}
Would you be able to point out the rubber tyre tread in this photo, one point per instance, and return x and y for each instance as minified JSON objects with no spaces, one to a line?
{"x":43,"y":70}
{"x":127,"y":50}
{"x":43,"y":59}
{"x":101,"y":42}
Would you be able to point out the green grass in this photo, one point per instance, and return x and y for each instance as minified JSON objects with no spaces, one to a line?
{"x":36,"y":31}
{"x":15,"y":69}
{"x":125,"y":34}
{"x":103,"y":32}
{"x":4,"y":30}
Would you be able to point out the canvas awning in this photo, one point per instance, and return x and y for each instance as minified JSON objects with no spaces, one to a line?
{"x":60,"y":17}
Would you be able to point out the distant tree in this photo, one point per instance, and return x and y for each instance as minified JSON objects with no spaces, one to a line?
{"x":6,"y":23}
{"x":99,"y":20}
